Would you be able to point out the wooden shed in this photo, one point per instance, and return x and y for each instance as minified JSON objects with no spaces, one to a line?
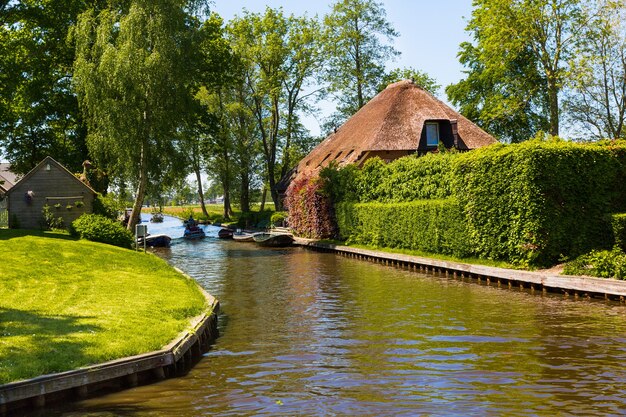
{"x":401,"y":120}
{"x":49,"y":183}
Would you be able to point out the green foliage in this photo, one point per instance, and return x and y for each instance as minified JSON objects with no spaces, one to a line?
{"x":101,"y":229}
{"x":420,"y":78}
{"x":406,"y":179}
{"x":108,"y":206}
{"x":618,"y":223}
{"x":599,"y":263}
{"x":356,"y":31}
{"x":278,"y":218}
{"x":536,"y":202}
{"x":49,"y":221}
{"x":435,"y":226}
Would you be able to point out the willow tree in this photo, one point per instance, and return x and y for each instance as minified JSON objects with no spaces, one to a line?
{"x":132,"y":79}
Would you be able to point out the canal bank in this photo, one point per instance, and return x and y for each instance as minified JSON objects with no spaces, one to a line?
{"x":175,"y":359}
{"x":568,"y":285}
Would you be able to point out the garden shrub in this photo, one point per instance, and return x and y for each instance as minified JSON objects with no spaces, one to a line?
{"x":601,"y":263}
{"x":49,"y":220}
{"x":618,"y":223}
{"x":98,"y":228}
{"x":435,"y":226}
{"x":278,"y":218}
{"x":107,"y":206}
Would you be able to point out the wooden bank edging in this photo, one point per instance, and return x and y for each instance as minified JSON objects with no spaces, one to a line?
{"x":577,"y":286}
{"x":174,"y":359}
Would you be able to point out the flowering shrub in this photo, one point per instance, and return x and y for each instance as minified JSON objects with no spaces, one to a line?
{"x":311,"y":212}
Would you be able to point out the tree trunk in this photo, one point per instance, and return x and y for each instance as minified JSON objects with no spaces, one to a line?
{"x":244,"y":201}
{"x":553,"y":103}
{"x":263,"y":197}
{"x":201,"y":192}
{"x":141,"y":189}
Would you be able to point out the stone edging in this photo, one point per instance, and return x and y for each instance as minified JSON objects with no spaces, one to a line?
{"x":174,"y":359}
{"x":577,"y":286}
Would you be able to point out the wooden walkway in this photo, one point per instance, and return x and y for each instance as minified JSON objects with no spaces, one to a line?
{"x":568,"y":285}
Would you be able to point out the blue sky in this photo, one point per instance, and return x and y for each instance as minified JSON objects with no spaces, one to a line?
{"x":430,"y":33}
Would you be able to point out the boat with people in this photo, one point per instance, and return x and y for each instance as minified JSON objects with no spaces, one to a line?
{"x":192,"y":230}
{"x":272,"y":239}
{"x":156,"y":217}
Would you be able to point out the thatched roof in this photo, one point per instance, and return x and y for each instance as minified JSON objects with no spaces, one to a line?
{"x":391,"y":121}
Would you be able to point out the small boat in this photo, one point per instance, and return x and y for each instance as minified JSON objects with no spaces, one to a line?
{"x":156,"y":241}
{"x":156,"y":218}
{"x":241,"y":236}
{"x":225,"y":233}
{"x":192,"y":231}
{"x":275,"y":240}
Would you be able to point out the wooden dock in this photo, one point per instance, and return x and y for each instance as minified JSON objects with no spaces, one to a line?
{"x":175,"y":359}
{"x":568,"y":285}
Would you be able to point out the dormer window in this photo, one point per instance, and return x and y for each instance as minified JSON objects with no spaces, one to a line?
{"x":432,"y":134}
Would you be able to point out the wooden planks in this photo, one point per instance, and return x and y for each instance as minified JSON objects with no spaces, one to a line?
{"x":586,"y":286}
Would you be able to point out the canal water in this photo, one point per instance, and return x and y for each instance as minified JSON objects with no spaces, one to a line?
{"x":314,"y":334}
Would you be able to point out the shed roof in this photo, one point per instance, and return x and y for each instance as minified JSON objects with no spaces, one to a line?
{"x":391,"y":121}
{"x":50,"y":160}
{"x":7,"y":177}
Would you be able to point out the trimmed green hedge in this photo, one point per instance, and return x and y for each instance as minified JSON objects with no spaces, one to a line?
{"x":618,"y":223}
{"x":435,"y":226}
{"x":101,"y":229}
{"x":538,"y":202}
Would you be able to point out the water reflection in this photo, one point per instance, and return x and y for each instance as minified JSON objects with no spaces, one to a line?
{"x":305,"y":333}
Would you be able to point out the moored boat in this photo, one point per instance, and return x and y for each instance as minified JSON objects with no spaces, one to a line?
{"x":155,"y":241}
{"x":241,"y":236}
{"x":225,"y":233}
{"x":276,"y":240}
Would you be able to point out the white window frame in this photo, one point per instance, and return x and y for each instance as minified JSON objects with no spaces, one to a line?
{"x":429,"y":141}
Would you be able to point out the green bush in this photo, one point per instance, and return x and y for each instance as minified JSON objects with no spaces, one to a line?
{"x":605,"y":264}
{"x":98,"y":228}
{"x":537,"y":202}
{"x":278,"y":218}
{"x":49,"y":221}
{"x":435,"y":226}
{"x":618,"y":223}
{"x":107,"y":206}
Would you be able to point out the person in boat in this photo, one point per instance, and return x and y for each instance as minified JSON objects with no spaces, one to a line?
{"x":191,"y":222}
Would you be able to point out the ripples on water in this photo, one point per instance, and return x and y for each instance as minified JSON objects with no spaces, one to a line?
{"x":305,"y":333}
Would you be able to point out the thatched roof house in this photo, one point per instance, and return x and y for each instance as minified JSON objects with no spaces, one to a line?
{"x":401,"y":120}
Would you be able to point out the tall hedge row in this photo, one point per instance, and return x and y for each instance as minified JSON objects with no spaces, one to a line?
{"x":537,"y":202}
{"x":532,"y":203}
{"x":435,"y":226}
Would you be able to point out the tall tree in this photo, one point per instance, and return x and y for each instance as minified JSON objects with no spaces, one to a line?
{"x":132,"y":80}
{"x":357,"y":54}
{"x":38,"y":112}
{"x":534,"y":37}
{"x":278,"y":54}
{"x":597,"y":102}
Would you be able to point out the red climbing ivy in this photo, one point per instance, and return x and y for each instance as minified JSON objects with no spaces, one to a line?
{"x":311,"y":212}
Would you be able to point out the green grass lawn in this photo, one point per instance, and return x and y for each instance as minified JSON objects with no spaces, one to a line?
{"x":66,"y":303}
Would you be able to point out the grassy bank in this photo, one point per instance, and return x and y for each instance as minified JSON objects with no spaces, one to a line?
{"x":216,"y":213}
{"x":66,"y":304}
